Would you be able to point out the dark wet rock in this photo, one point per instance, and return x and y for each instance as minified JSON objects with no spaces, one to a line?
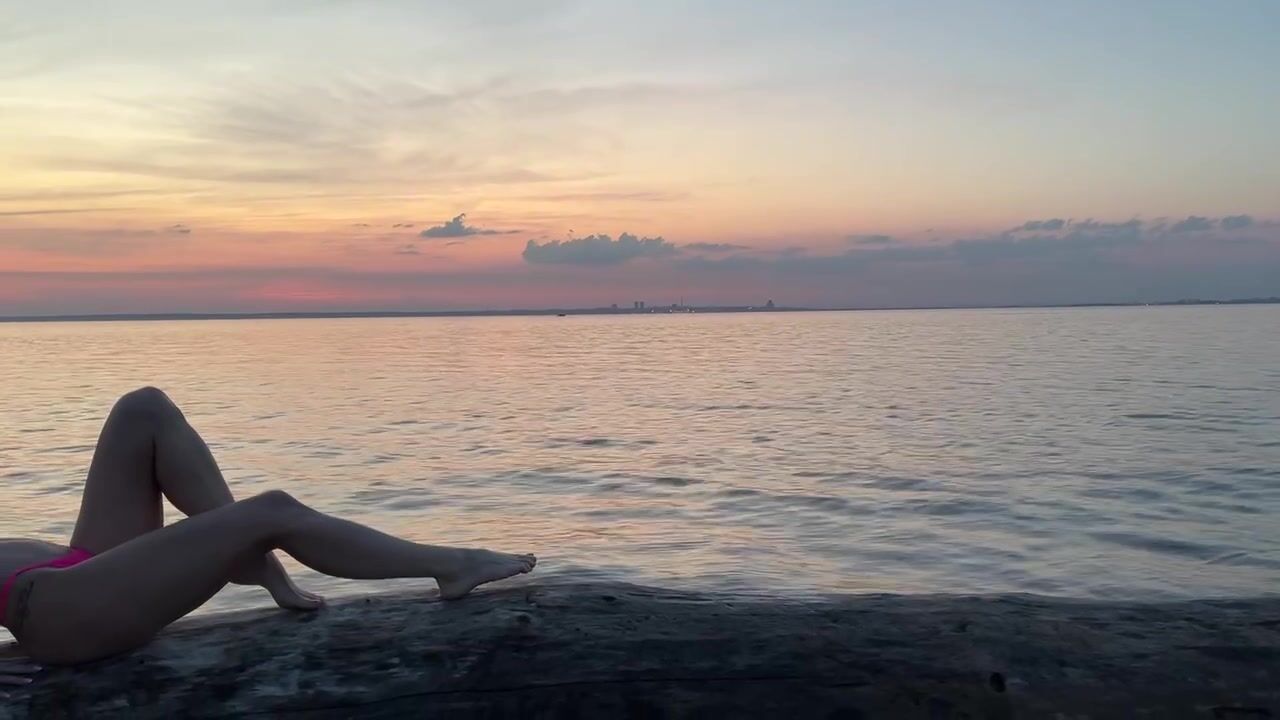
{"x":604,"y":650}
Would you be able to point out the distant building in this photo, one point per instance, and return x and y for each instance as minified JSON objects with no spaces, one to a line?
{"x":614,"y":306}
{"x":769,"y":304}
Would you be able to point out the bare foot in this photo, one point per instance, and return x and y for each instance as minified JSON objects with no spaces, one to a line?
{"x":481,"y":566}
{"x":289,"y":596}
{"x":271,"y":575}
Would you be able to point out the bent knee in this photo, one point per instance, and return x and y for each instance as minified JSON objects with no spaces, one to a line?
{"x":144,"y":404}
{"x":275,"y":501}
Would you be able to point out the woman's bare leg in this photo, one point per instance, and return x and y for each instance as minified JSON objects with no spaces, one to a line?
{"x":120,"y":599}
{"x":147,"y":448}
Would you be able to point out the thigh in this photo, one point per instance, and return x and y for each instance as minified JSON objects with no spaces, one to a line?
{"x":121,"y":496}
{"x":120,"y":599}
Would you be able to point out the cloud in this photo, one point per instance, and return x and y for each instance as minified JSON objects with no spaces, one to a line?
{"x":1083,"y":243}
{"x":402,"y":225}
{"x":870,"y":239}
{"x":713,"y":247}
{"x":1096,"y":261}
{"x":1081,"y":239}
{"x":1193,"y":223}
{"x":1085,"y":262}
{"x":67,"y":195}
{"x":229,"y":146}
{"x":458,"y":227}
{"x":407,"y":249}
{"x":792,"y":251}
{"x":1236,"y":222}
{"x":360,"y":225}
{"x":66,"y":211}
{"x":597,"y":250}
{"x":178,"y":229}
{"x":646,"y":196}
{"x":117,"y":243}
{"x":1093,"y":226}
{"x":1051,"y":225}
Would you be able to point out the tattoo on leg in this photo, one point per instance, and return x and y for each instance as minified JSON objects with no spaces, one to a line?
{"x":22,"y":601}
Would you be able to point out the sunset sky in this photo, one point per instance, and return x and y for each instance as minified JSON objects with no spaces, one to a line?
{"x":335,"y":154}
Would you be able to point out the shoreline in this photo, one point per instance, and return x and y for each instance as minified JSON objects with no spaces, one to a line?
{"x":555,"y":312}
{"x":603,"y":649}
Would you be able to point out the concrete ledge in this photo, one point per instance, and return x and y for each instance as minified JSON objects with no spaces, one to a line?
{"x":620,"y":651}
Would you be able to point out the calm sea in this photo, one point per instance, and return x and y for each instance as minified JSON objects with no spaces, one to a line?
{"x":1118,"y":453}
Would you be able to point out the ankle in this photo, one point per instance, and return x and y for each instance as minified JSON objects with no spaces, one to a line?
{"x":453,"y":562}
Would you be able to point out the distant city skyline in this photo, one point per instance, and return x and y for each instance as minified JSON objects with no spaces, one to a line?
{"x":637,"y":308}
{"x":396,"y":155}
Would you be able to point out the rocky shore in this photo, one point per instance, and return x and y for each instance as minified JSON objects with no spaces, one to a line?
{"x":598,"y":650}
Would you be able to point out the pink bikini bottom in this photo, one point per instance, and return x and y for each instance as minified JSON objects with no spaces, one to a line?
{"x":75,"y":557}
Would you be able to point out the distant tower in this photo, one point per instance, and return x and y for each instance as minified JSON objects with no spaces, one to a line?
{"x":769,"y":305}
{"x":641,"y":304}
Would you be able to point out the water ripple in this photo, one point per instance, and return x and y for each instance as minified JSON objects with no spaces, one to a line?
{"x":1124,"y":452}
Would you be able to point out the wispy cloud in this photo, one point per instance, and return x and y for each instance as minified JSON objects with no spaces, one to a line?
{"x":347,"y":137}
{"x":870,"y":239}
{"x":714,"y":247}
{"x":1037,"y":225}
{"x":1095,"y":226}
{"x":611,"y":196}
{"x":93,"y":243}
{"x":75,"y":195}
{"x":1193,"y":223}
{"x":47,"y":211}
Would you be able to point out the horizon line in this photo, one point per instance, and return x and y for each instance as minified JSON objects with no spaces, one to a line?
{"x":538,"y":312}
